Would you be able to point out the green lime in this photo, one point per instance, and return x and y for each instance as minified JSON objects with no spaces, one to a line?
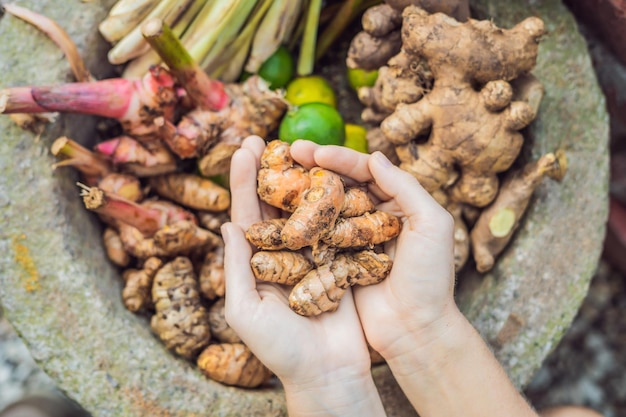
{"x":310,"y":89}
{"x":358,"y":78}
{"x":356,"y":138}
{"x":278,"y":69}
{"x":317,"y":122}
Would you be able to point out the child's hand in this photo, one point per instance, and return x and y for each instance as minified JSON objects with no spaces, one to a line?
{"x":323,"y":362}
{"x":417,"y":297}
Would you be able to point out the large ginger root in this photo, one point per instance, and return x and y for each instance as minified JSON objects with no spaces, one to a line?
{"x":380,"y":39}
{"x":180,"y":320}
{"x":336,"y":223}
{"x":233,"y":364}
{"x":464,"y":147}
{"x":321,"y":289}
{"x":497,"y":223}
{"x":403,"y":79}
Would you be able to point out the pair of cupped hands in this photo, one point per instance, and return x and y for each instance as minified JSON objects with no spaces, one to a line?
{"x":411,"y":307}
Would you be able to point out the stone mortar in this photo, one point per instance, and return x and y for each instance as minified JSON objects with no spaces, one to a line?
{"x":63,"y":297}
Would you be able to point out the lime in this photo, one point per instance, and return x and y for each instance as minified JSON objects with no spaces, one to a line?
{"x":356,"y":138}
{"x":310,"y":89}
{"x":278,"y":69}
{"x":358,"y":78}
{"x":317,"y":122}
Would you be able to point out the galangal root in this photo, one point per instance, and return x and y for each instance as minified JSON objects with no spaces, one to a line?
{"x":338,"y":226}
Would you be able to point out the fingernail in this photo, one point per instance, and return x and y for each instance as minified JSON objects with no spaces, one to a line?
{"x":382,"y":159}
{"x":224,"y":229}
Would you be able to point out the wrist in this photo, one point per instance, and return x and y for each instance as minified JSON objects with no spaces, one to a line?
{"x":341,"y":393}
{"x":428,"y":339}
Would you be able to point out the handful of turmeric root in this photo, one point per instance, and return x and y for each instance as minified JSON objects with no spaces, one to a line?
{"x":330,"y":240}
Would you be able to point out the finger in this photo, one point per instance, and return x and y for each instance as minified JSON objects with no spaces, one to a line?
{"x":240,"y":283}
{"x":245,"y":207}
{"x":402,"y":187}
{"x":344,"y":161}
{"x":254,"y":144}
{"x":302,"y":152}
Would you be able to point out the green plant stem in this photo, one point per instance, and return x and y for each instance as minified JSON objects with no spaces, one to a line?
{"x":306,"y":59}
{"x":337,"y":25}
{"x":203,"y":91}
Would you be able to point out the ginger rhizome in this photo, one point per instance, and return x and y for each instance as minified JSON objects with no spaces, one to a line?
{"x":449,"y":102}
{"x":329,"y":240}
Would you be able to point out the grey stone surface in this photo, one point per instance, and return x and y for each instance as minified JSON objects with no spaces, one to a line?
{"x":62,"y":296}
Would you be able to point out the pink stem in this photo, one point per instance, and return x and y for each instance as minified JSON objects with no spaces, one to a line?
{"x":147,"y":220}
{"x":19,"y":100}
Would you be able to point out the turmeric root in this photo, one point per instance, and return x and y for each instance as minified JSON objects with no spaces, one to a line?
{"x":281,"y":267}
{"x":322,"y":288}
{"x":281,"y":182}
{"x":220,"y":329}
{"x":356,"y":203}
{"x":317,"y":212}
{"x":266,"y":234}
{"x":367,"y":230}
{"x":137,"y":292}
{"x":233,"y":364}
{"x":191,"y":191}
{"x":211,"y":275}
{"x":180,"y":320}
{"x":497,"y":223}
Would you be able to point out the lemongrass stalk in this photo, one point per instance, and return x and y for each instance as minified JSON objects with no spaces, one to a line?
{"x":336,"y":26}
{"x":228,"y":66}
{"x":228,"y":33}
{"x":145,"y":219}
{"x":139,"y":65}
{"x":203,"y":91}
{"x":57,"y":34}
{"x":220,"y":20}
{"x":72,"y":153}
{"x":275,"y":27}
{"x":299,"y":29}
{"x":133,"y":44}
{"x":306,"y":58}
{"x":123,"y":17}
